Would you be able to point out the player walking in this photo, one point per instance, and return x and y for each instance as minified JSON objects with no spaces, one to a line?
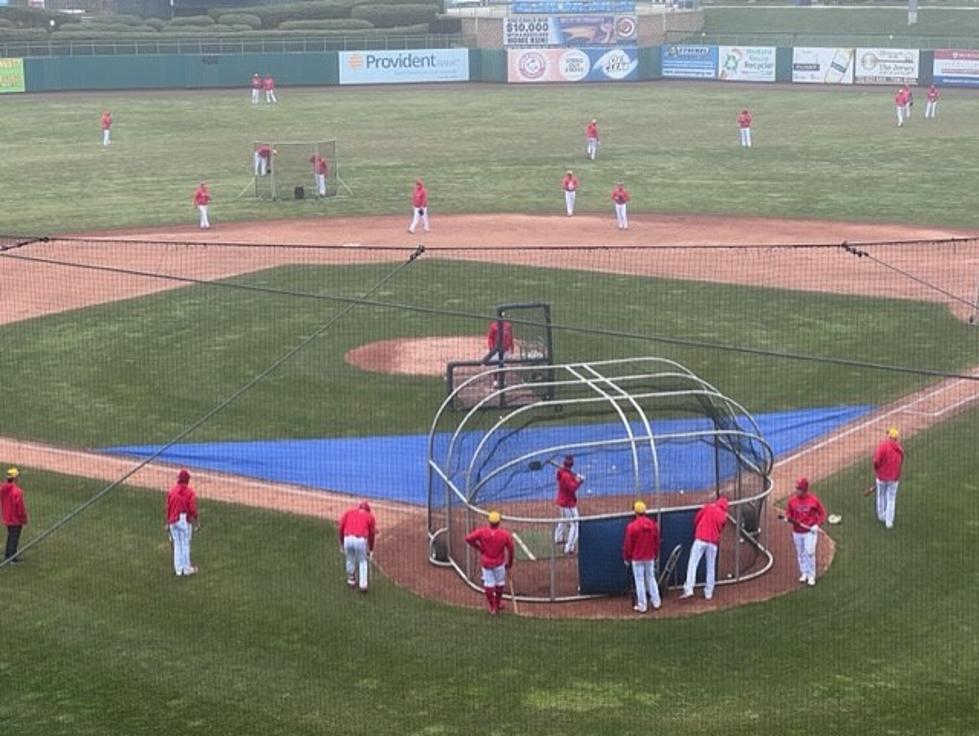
{"x":640,"y":551}
{"x":106,"y":128}
{"x":320,"y":171}
{"x":621,"y":197}
{"x":888,"y":460}
{"x":202,"y":197}
{"x":181,"y":515}
{"x":806,"y":513}
{"x":570,"y":186}
{"x":908,"y":102}
{"x":256,"y":88}
{"x":495,"y":546}
{"x":931,"y":102}
{"x":900,"y":101}
{"x":707,"y":527}
{"x":419,"y":206}
{"x":268,"y":84}
{"x":14,"y":513}
{"x":568,"y":483}
{"x":744,"y":125}
{"x":591,"y":139}
{"x":357,"y":529}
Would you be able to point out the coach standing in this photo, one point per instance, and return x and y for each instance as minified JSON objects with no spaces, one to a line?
{"x":419,"y":206}
{"x":570,"y":186}
{"x":357,"y":529}
{"x":806,"y":514}
{"x":621,"y":197}
{"x":181,"y":518}
{"x":106,"y":128}
{"x":202,"y":198}
{"x":591,"y":139}
{"x":568,"y":483}
{"x":640,"y":549}
{"x":495,"y":547}
{"x":707,"y":527}
{"x":14,"y":513}
{"x":888,"y":460}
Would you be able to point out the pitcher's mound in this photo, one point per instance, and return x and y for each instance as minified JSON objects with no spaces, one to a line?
{"x":421,"y":356}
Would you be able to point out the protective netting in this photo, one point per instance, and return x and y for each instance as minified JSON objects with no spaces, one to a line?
{"x":289,"y":169}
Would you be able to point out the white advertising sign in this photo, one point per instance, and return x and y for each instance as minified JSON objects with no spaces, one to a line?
{"x":746,"y":63}
{"x":887,"y":66}
{"x":822,"y":65}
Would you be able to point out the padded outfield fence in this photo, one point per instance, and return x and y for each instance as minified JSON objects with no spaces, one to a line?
{"x":324,"y":366}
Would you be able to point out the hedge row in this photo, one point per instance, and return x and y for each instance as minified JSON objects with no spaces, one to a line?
{"x":240,"y":19}
{"x":222,"y":32}
{"x":322,"y":25}
{"x":4,"y":23}
{"x":388,"y":16}
{"x":156,"y":24}
{"x":273,"y":15}
{"x":118,"y":19}
{"x":23,"y":34}
{"x":191,"y":20}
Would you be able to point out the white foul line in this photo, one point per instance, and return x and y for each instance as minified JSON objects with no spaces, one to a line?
{"x":524,"y":547}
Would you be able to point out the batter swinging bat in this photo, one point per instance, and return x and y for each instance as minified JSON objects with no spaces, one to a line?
{"x":537,"y":465}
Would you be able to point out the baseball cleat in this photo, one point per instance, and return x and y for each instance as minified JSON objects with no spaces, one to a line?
{"x":802,"y":578}
{"x":685,"y":594}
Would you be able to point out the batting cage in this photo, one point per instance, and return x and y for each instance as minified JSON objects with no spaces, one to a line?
{"x":293,"y":170}
{"x":638,"y":428}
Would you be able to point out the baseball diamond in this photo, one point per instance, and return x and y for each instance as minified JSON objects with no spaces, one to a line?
{"x":772,"y":313}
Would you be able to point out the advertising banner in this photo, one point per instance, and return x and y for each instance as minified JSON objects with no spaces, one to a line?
{"x":547,"y":7}
{"x":956,"y":67}
{"x":572,"y":65}
{"x":689,"y":62}
{"x":569,"y":30}
{"x":401,"y":67}
{"x":886,"y":66}
{"x":746,"y":63}
{"x":822,"y":65}
{"x":11,"y":75}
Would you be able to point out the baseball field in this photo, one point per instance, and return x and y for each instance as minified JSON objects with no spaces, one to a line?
{"x":130,"y":329}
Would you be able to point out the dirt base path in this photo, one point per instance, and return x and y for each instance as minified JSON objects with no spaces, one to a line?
{"x":407,"y":565}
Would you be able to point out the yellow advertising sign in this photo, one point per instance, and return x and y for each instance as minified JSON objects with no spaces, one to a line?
{"x":11,"y":75}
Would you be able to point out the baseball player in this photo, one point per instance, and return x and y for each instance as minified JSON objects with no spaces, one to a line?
{"x":268,"y":84}
{"x":591,"y":139}
{"x":931,"y":102}
{"x":202,"y":197}
{"x":495,"y":547}
{"x":806,"y":513}
{"x":640,"y":551}
{"x":256,"y":88}
{"x":888,"y":460}
{"x":181,"y":519}
{"x":744,"y":125}
{"x":357,"y":529}
{"x":106,"y":128}
{"x":568,"y":483}
{"x":14,"y":513}
{"x":707,"y":527}
{"x":570,"y":186}
{"x":419,"y":206}
{"x":263,"y":154}
{"x":900,"y":101}
{"x":908,"y":102}
{"x":320,"y":171}
{"x":620,"y":196}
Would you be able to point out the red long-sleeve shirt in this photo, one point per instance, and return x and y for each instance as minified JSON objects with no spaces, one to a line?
{"x":419,"y":197}
{"x":106,"y":121}
{"x":591,"y":131}
{"x":256,"y":82}
{"x":620,"y":195}
{"x":268,"y":83}
{"x":319,"y":165}
{"x":181,"y":499}
{"x":710,"y":520}
{"x":12,"y":504}
{"x":567,"y":488}
{"x":932,"y":94}
{"x":492,"y":333}
{"x":641,"y":540}
{"x":357,"y":522}
{"x":807,"y":510}
{"x":744,"y":119}
{"x":888,"y":459}
{"x":495,"y":546}
{"x":569,"y":183}
{"x":202,"y":196}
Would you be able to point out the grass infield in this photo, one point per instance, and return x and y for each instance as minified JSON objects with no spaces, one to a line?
{"x":100,"y":639}
{"x":489,"y":148}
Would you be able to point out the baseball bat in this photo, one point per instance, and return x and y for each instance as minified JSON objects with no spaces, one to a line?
{"x":782,"y":517}
{"x":869,"y":491}
{"x":513,"y":596}
{"x":537,"y":465}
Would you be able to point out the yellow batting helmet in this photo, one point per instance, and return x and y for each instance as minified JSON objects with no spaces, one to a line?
{"x":893,"y":433}
{"x":639,"y":507}
{"x":12,"y":472}
{"x":495,"y":517}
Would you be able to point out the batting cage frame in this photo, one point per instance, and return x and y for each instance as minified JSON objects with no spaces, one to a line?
{"x":641,"y":428}
{"x":288,"y":170}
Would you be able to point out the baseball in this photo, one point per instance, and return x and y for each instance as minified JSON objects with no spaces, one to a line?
{"x":730,"y":575}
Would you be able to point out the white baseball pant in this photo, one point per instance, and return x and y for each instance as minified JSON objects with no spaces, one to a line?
{"x":320,"y":184}
{"x":900,"y":115}
{"x":805,"y":552}
{"x":355,"y":555}
{"x":494,"y":577}
{"x":930,"y":108}
{"x":261,"y":165}
{"x":591,"y":147}
{"x":419,"y":214}
{"x":181,"y":532}
{"x":746,"y":137}
{"x":270,"y":96}
{"x":644,"y":576}
{"x":698,"y":550}
{"x":567,"y":531}
{"x":886,"y":501}
{"x":255,"y":95}
{"x":621,"y":216}
{"x":106,"y":137}
{"x":569,"y":201}
{"x":205,"y":223}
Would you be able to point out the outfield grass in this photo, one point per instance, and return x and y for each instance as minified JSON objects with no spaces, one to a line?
{"x":143,"y":369}
{"x":100,"y":639}
{"x":489,"y":148}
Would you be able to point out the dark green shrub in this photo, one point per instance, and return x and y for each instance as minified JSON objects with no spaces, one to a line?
{"x":389,"y":16}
